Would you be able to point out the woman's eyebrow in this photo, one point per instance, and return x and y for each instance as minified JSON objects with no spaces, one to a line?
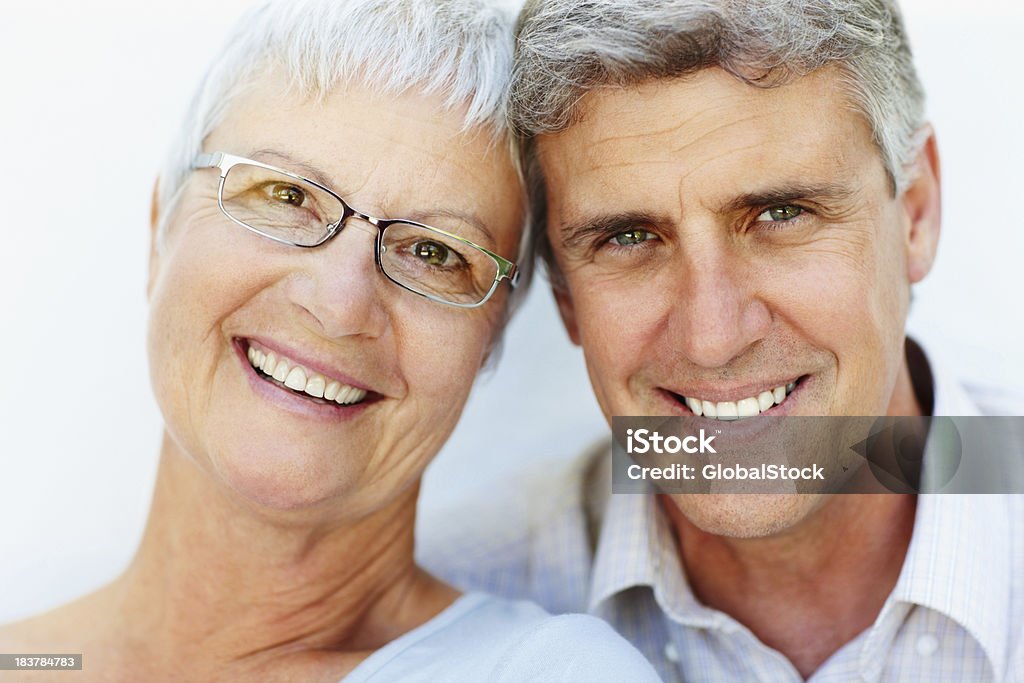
{"x":294,"y":164}
{"x":468,"y":218}
{"x":313,"y":173}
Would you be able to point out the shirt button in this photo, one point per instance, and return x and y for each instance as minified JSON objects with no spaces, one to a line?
{"x":671,"y":653}
{"x":927,"y":645}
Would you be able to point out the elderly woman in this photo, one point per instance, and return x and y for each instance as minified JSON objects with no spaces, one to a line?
{"x":331,"y":267}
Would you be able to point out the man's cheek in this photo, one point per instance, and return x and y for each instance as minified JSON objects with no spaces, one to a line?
{"x":614,"y":319}
{"x":832,"y":285}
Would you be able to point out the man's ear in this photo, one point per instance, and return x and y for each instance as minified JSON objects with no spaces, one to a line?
{"x":566,"y":309}
{"x":154,"y":237}
{"x":922,"y":202}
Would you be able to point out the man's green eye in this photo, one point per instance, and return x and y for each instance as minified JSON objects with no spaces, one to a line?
{"x":630,"y":237}
{"x":786,"y":212}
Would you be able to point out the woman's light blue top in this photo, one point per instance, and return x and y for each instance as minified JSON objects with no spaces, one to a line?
{"x":483,"y":638}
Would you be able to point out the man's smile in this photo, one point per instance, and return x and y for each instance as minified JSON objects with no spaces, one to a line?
{"x":749,"y":406}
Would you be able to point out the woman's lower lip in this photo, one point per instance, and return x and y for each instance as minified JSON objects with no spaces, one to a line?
{"x":291,"y":402}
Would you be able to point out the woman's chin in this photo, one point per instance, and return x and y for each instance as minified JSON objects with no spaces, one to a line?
{"x":285,"y":481}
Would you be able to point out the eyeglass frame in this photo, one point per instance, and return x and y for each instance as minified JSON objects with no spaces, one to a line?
{"x":507,"y":270}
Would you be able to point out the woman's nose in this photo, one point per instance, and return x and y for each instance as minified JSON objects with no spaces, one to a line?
{"x":343,"y":287}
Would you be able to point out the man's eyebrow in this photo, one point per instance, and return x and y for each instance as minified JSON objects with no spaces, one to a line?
{"x":307,"y":170}
{"x":578,"y":231}
{"x":785,"y":194}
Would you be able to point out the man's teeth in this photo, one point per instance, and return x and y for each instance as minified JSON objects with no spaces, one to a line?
{"x":747,"y":407}
{"x":298,"y":378}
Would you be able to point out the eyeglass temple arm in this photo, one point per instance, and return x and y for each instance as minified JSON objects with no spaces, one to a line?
{"x":510,"y":272}
{"x":203,"y":160}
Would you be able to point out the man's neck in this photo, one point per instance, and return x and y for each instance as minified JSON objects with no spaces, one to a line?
{"x":812,"y":589}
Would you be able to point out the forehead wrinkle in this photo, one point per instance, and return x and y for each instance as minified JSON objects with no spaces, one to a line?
{"x":716,"y":129}
{"x":645,"y":92}
{"x":617,"y":160}
{"x":692,"y":169}
{"x":804,"y":164}
{"x":669,"y":130}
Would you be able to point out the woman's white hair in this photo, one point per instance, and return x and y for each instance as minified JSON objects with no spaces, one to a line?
{"x":566,"y":48}
{"x":459,"y":49}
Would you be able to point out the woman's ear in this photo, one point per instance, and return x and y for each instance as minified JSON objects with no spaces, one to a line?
{"x":154,"y":237}
{"x":922,"y":202}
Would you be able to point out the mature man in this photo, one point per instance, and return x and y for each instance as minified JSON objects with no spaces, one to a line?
{"x":735,"y":197}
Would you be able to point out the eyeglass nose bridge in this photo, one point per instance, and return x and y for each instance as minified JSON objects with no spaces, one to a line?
{"x":339,"y":225}
{"x":348,"y":212}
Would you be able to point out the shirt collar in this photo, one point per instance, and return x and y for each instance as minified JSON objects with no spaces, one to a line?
{"x":637,"y":548}
{"x":958,"y":565}
{"x":629,"y":548}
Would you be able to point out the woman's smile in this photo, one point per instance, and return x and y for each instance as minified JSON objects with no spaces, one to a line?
{"x":304,"y":382}
{"x":275,"y":374}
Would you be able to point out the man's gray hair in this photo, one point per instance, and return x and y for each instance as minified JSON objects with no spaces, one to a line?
{"x":458,"y":49}
{"x":567,"y":48}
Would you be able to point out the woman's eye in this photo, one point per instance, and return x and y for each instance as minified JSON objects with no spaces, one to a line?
{"x":434,"y":253}
{"x":288,"y":194}
{"x":775,"y":214}
{"x":631,"y":237}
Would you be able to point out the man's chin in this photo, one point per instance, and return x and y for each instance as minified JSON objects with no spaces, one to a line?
{"x":744,"y":515}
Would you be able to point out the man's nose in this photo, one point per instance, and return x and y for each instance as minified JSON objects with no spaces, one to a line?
{"x":716,"y":313}
{"x":343,"y":287}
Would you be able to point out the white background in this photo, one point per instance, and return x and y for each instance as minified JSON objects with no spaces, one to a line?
{"x":91,"y":93}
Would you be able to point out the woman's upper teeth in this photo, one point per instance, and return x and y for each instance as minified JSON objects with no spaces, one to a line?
{"x":298,"y":378}
{"x":746,"y":407}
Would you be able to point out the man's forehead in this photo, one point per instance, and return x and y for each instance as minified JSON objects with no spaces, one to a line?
{"x":709,"y":131}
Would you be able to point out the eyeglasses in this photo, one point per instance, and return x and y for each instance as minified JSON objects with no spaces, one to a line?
{"x":300,"y":212}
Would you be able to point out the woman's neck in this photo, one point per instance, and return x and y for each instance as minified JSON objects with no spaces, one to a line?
{"x":215,"y":580}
